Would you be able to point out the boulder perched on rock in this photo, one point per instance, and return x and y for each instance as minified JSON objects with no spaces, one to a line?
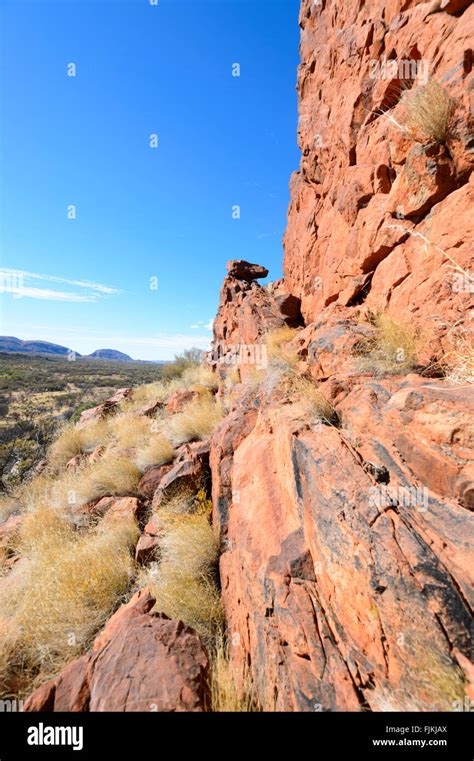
{"x":247,"y":312}
{"x":243,"y":270}
{"x":139,"y":662}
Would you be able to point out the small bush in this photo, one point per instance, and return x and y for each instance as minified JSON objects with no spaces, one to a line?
{"x":189,"y":358}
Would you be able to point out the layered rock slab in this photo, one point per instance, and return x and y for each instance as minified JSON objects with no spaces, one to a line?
{"x":346,"y":581}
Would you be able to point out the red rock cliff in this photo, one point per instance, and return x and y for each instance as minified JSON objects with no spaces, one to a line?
{"x":378,"y":214}
{"x":345,"y":568}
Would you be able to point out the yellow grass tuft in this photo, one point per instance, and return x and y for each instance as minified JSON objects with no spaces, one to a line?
{"x":200,"y":375}
{"x":68,"y":444}
{"x":393,"y":349}
{"x":228,"y":695}
{"x":196,"y":421}
{"x":311,"y":401}
{"x":95,"y":433}
{"x":427,"y":111}
{"x":159,"y":391}
{"x":62,"y":594}
{"x":158,"y":451}
{"x":277,"y":348}
{"x":458,"y":363}
{"x":73,"y":441}
{"x":183,"y":582}
{"x":108,"y":476}
{"x":130,"y":430}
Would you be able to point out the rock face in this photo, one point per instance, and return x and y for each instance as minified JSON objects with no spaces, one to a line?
{"x":377,"y":217}
{"x":345,"y":569}
{"x":139,"y":662}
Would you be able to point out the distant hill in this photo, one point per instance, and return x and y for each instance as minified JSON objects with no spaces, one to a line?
{"x":118,"y":356}
{"x":43,"y":348}
{"x":12,"y":345}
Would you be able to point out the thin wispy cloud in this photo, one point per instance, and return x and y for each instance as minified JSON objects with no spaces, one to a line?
{"x":202,"y":324}
{"x":21,"y":284}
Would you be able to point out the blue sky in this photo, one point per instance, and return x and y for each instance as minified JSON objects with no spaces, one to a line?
{"x":144,"y":215}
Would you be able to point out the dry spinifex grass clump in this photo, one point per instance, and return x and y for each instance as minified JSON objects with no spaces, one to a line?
{"x":458,"y":362}
{"x":108,"y":476}
{"x":279,"y":352}
{"x":394,"y":348}
{"x":197,"y":420}
{"x":72,"y":441}
{"x":427,"y":111}
{"x":227,"y":693}
{"x":311,"y":401}
{"x":183,"y":581}
{"x":157,"y":451}
{"x":62,"y":592}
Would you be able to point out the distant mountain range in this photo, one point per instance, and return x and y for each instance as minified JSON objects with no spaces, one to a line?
{"x":12,"y":345}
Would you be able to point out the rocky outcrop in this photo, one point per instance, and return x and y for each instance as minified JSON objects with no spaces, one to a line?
{"x":246,"y":312}
{"x":139,"y":662}
{"x":94,"y":414}
{"x":378,"y":217}
{"x":345,"y":569}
